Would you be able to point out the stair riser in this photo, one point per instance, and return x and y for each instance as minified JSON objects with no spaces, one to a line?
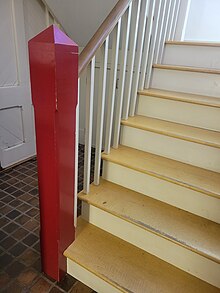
{"x":166,"y":250}
{"x":180,"y":112}
{"x":185,"y":81}
{"x":89,"y":278}
{"x":179,"y":196}
{"x":181,"y":150}
{"x":195,"y":56}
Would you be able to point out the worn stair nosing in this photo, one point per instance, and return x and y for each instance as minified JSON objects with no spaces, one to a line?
{"x":148,"y":228}
{"x":180,"y":97}
{"x":147,"y":127}
{"x":189,"y":43}
{"x":186,"y":68}
{"x":160,"y":176}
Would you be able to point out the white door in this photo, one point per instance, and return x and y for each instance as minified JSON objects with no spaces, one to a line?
{"x":17,"y":139}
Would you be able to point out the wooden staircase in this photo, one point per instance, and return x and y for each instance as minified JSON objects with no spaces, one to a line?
{"x":152,"y":224}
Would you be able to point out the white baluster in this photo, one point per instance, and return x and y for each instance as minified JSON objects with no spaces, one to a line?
{"x":123,"y":60}
{"x":100,"y":109}
{"x":164,"y":31}
{"x":143,"y":20}
{"x":160,"y":28}
{"x":88,"y":127}
{"x":171,"y":19}
{"x":131,"y":57}
{"x":146,"y":50}
{"x":112,"y":86}
{"x":176,"y":14}
{"x":76,"y":157}
{"x":158,"y":7}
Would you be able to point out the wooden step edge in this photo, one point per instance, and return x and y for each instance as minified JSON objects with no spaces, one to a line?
{"x":96,"y":250}
{"x":160,"y":176}
{"x":177,"y":96}
{"x":146,"y":127}
{"x":191,"y":43}
{"x":186,"y":68}
{"x":86,"y":198}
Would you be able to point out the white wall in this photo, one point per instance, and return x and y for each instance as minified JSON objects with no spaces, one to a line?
{"x":81,"y":18}
{"x":203,"y":21}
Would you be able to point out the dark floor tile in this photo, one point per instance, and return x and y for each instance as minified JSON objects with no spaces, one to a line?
{"x":11,"y":189}
{"x":14,"y":287}
{"x":21,"y":176}
{"x":30,"y":239}
{"x":15,"y":203}
{"x":66,"y":283}
{"x":26,"y":197}
{"x":19,"y":184}
{"x":5,"y":210}
{"x":5,"y":260}
{"x":55,"y":290}
{"x":8,"y":198}
{"x":2,"y":235}
{"x":80,"y":288}
{"x":34,"y":202}
{"x":31,"y":225}
{"x":22,"y":219}
{"x":17,"y":249}
{"x":4,"y":280}
{"x":3,"y":222}
{"x":34,"y":191}
{"x":41,"y":286}
{"x":4,"y":185}
{"x":33,"y":212}
{"x":24,"y":207}
{"x":28,"y":180}
{"x":37,"y":246}
{"x":18,"y":193}
{"x":27,"y":188}
{"x":13,"y":214}
{"x":13,"y":181}
{"x":10,"y":228}
{"x":15,"y":269}
{"x":7,"y":242}
{"x":37,"y":265}
{"x":20,"y":233}
{"x":29,"y":257}
{"x":27,"y":277}
{"x":2,"y":194}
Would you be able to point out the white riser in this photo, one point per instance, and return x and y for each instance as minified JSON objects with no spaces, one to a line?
{"x":180,"y":112}
{"x":195,"y":56}
{"x":180,"y":150}
{"x":89,"y":278}
{"x":185,"y":81}
{"x":166,"y":250}
{"x":184,"y":198}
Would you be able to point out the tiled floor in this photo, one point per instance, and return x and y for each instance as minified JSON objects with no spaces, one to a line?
{"x":20,"y":266}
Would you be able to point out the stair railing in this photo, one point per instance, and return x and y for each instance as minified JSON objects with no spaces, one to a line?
{"x":131,"y":39}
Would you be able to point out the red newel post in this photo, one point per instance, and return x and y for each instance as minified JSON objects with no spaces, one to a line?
{"x":54,"y":84}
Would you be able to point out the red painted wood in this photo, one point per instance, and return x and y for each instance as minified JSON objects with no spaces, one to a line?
{"x":54,"y":85}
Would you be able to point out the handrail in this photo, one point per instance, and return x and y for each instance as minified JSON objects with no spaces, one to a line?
{"x":102,"y":33}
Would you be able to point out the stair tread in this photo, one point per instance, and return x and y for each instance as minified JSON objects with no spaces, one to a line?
{"x":183,"y":97}
{"x":195,"y":178}
{"x":181,"y":131}
{"x":127,"y":267}
{"x":193,"y":43}
{"x":193,"y":232}
{"x":187,"y":68}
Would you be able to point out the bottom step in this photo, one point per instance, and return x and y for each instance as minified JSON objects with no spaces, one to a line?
{"x":108,"y":264}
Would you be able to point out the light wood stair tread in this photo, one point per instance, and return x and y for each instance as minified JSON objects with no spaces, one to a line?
{"x":186,"y":68}
{"x":127,"y":267}
{"x":181,"y":131}
{"x":193,"y":43}
{"x":182,"y":97}
{"x":195,"y":178}
{"x":185,"y":229}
